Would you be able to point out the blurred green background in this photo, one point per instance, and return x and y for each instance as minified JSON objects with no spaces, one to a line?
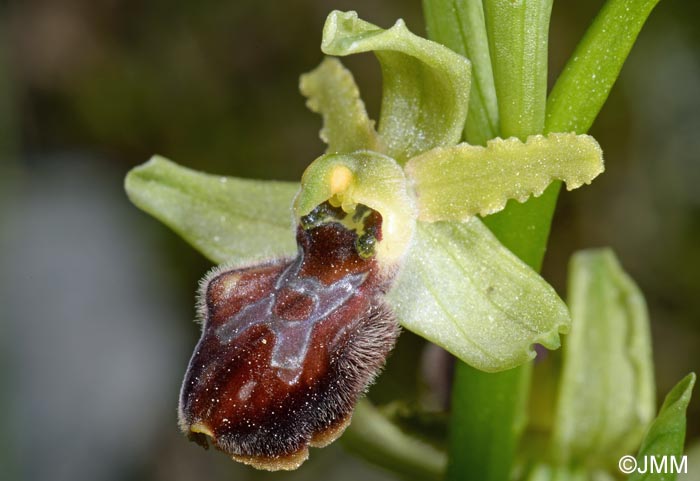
{"x":98,"y":299}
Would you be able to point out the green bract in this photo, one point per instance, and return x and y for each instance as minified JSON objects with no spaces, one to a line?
{"x":459,"y":287}
{"x":606,"y":393}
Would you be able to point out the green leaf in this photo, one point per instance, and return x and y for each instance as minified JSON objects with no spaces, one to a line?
{"x":461,"y":289}
{"x":459,"y":25}
{"x":667,"y":433}
{"x":367,"y":178}
{"x":518,"y":38}
{"x":374,"y":437}
{"x":606,"y":394}
{"x":426,"y":85}
{"x":454,"y":183}
{"x":584,"y":85}
{"x":229,"y":220}
{"x":332,"y":92}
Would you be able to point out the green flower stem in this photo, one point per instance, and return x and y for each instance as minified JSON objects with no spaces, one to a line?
{"x":489,"y":414}
{"x":488,"y":417}
{"x":489,"y":410}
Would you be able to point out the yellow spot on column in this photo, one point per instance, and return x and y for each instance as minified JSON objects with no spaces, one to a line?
{"x":341,"y":178}
{"x":341,"y":194}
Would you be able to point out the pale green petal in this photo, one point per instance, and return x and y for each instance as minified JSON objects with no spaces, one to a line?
{"x":454,"y":183}
{"x":426,"y":85}
{"x":368,"y":178}
{"x":461,"y":289}
{"x":331,"y":91}
{"x":229,"y":220}
{"x":606,"y":395}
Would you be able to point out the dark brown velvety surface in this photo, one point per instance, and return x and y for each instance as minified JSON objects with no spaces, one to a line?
{"x":286,"y":349}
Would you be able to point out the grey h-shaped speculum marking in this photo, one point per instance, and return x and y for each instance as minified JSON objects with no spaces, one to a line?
{"x":292,"y":338}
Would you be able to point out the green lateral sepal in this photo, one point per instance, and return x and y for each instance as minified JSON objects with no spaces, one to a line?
{"x":229,"y":220}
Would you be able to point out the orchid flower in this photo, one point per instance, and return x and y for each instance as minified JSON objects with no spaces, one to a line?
{"x":398,"y":203}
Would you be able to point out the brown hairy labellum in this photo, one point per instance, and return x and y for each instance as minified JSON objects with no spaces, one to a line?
{"x":288,"y":346}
